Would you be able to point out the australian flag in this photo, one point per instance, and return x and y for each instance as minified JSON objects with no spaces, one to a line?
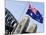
{"x":35,"y":15}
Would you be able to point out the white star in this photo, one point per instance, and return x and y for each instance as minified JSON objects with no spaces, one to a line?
{"x":31,"y":14}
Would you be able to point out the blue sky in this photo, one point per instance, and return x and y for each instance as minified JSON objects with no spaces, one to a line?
{"x":19,"y":9}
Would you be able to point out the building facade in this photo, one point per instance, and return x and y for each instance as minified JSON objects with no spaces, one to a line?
{"x":9,"y":21}
{"x":22,"y":26}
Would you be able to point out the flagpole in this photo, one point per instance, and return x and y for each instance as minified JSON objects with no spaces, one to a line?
{"x":24,"y":10}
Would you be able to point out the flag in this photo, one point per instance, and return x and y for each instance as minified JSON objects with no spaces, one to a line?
{"x":35,"y":15}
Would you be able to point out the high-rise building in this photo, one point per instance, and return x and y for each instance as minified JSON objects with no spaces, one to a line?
{"x":32,"y":28}
{"x":10,"y":21}
{"x":22,"y":26}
